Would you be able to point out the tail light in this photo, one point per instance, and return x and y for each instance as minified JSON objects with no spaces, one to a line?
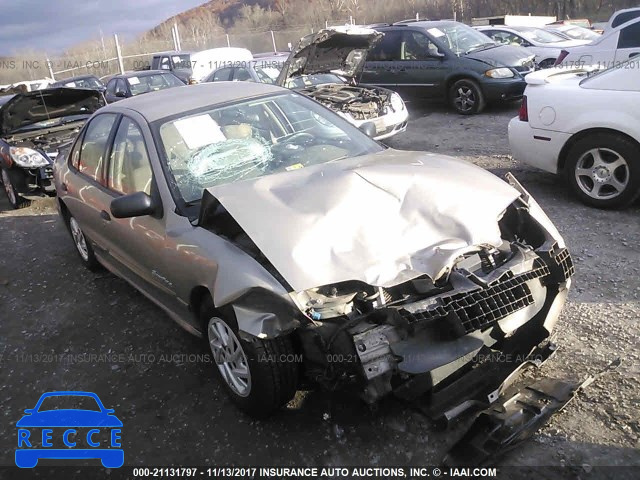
{"x":523,"y":113}
{"x":563,"y":55}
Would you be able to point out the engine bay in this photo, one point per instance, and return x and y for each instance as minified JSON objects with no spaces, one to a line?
{"x":360,"y":102}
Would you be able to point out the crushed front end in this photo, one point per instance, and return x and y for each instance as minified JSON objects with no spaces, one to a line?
{"x":453,"y":342}
{"x":361,"y":104}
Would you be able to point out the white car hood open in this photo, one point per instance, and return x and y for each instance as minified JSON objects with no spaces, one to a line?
{"x":382,"y":219}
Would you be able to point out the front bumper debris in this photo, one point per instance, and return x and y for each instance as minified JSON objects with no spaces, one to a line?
{"x":514,"y":418}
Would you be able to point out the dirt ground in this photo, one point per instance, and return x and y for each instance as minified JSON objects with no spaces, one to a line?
{"x":158,"y":378}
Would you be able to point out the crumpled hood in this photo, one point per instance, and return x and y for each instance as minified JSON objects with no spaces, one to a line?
{"x":28,"y":108}
{"x":503,"y":56}
{"x":340,"y":50}
{"x":382,"y":219}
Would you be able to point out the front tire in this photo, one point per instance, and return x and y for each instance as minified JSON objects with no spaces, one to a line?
{"x":466,"y":97}
{"x":260,"y":376}
{"x":603,"y":170}
{"x":83,"y":246}
{"x":15,"y":200}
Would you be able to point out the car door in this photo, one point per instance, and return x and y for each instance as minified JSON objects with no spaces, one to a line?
{"x":422,"y":65}
{"x":628,"y":43}
{"x":84,"y":187}
{"x":381,"y":67}
{"x":136,"y":245}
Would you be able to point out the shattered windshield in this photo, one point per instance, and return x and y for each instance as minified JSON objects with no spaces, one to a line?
{"x":254,"y":138}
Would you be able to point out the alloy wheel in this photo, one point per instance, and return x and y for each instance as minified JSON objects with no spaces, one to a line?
{"x":465,"y":99}
{"x":79,"y":239}
{"x":229,"y":357}
{"x":602,"y":173}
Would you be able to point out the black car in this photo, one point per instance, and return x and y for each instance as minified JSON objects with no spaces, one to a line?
{"x":136,"y":83}
{"x":447,"y":60}
{"x":82,"y":81}
{"x":33,"y":127}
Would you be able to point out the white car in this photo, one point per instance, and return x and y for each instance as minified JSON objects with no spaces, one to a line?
{"x":585,"y":125}
{"x":573,"y":32}
{"x":614,"y":47}
{"x":546,"y":45}
{"x":622,"y":16}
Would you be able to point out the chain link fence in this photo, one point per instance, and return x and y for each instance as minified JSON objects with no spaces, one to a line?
{"x":109,"y":55}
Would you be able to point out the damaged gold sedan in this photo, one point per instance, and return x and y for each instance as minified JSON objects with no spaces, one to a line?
{"x":304,"y":251}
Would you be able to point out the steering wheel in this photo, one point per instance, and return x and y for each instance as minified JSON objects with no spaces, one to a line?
{"x":301,"y":139}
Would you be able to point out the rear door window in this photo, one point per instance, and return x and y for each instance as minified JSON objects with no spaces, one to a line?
{"x":630,"y":36}
{"x":94,"y":145}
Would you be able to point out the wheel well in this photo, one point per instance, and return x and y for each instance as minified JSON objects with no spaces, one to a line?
{"x":562,"y":158}
{"x":198,"y":296}
{"x":64,"y":211}
{"x":455,"y":78}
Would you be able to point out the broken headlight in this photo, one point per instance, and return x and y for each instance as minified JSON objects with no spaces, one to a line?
{"x":28,"y":158}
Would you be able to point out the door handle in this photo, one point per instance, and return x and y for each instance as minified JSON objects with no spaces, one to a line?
{"x":105,"y":216}
{"x":63,"y":186}
{"x":634,"y":54}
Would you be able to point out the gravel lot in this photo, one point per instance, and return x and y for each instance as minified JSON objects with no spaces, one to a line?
{"x":174,"y":412}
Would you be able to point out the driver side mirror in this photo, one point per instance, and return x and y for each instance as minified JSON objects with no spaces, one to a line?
{"x":136,"y":204}
{"x":368,"y":128}
{"x":120,"y":94}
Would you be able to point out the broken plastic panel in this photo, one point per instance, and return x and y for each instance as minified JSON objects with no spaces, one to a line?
{"x":514,"y":419}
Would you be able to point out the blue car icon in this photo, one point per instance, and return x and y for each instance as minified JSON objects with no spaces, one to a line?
{"x":53,"y":430}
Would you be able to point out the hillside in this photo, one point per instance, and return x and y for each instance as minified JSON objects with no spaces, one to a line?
{"x":224,"y":12}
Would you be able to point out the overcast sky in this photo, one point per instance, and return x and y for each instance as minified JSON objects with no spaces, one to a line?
{"x":52,"y":25}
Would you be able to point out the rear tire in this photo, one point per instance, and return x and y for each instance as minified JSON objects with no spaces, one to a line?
{"x":266,"y":370}
{"x":466,"y":97}
{"x":603,"y":170}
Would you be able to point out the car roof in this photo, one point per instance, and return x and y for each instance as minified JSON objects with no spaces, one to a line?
{"x":173,"y":52}
{"x":140,"y":73}
{"x":261,"y":60}
{"x":421,"y":24}
{"x":172,"y":101}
